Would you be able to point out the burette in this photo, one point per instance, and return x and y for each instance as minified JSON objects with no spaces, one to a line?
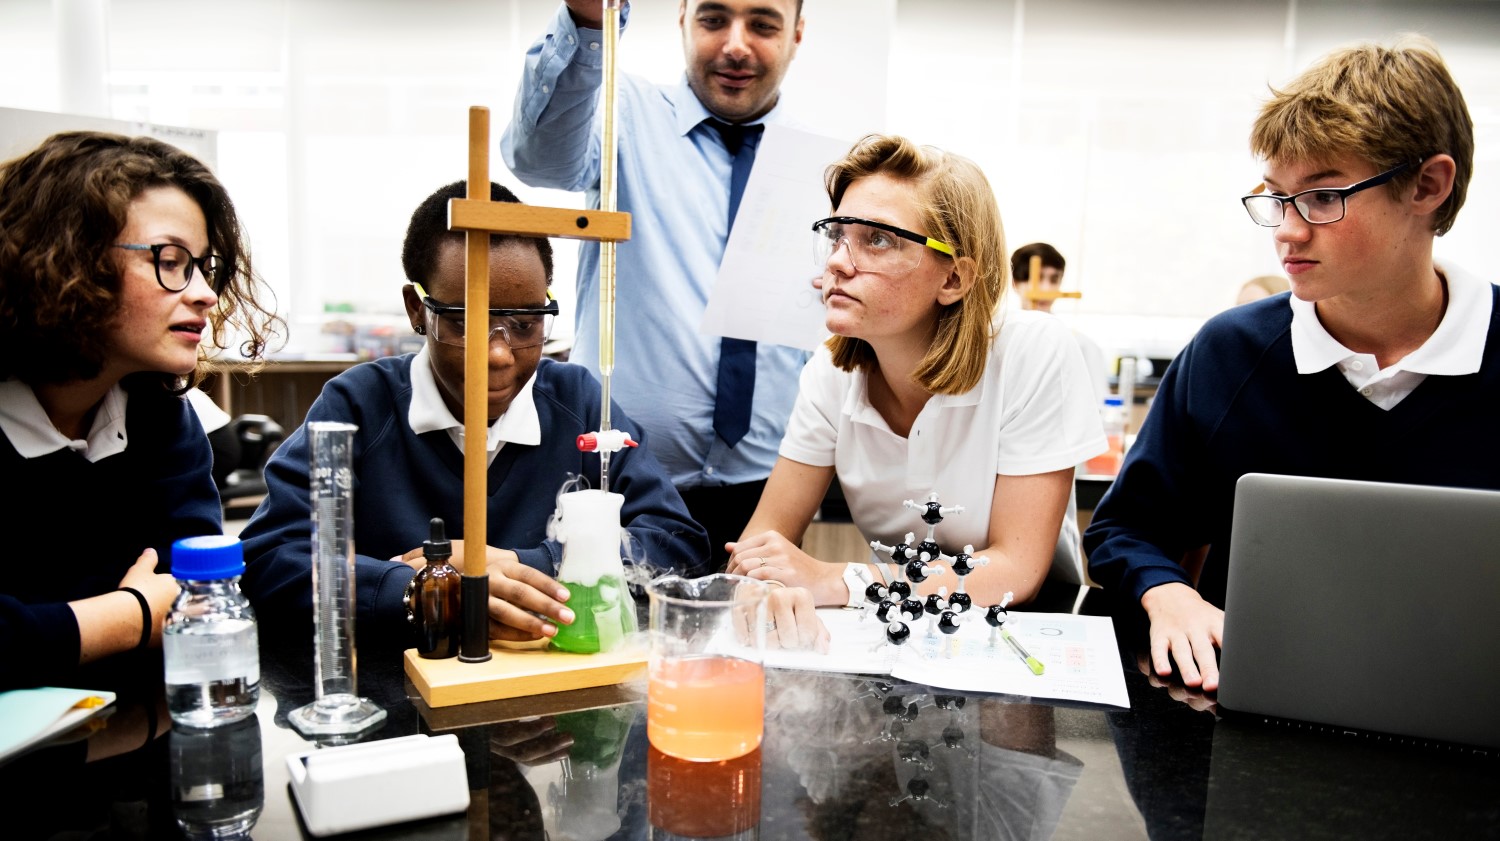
{"x":609,"y":144}
{"x":607,"y":440}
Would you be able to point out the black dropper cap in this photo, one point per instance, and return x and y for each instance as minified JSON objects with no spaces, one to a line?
{"x":437,"y":547}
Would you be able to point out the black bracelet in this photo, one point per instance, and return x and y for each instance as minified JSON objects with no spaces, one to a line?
{"x":145,"y":615}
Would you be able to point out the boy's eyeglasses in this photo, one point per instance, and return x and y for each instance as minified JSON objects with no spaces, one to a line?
{"x":521,"y":328}
{"x":873,"y":246}
{"x":1319,"y":206}
{"x":175,"y":264}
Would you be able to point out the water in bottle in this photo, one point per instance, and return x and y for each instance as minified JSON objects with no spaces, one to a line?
{"x":209,"y":643}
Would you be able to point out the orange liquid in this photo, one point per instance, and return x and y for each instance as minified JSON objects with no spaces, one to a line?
{"x":705,"y":709}
{"x":1108,"y":462}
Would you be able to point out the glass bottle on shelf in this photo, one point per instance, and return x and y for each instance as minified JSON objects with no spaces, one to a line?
{"x":1108,"y":462}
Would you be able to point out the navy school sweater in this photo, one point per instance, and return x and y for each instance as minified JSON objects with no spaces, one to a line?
{"x":1233,"y":403}
{"x":73,"y":527}
{"x":402,"y":480}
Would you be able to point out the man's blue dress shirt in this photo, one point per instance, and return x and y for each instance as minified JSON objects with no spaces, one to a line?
{"x":673,"y":178}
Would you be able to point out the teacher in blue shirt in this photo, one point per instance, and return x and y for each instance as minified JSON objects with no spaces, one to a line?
{"x":716,"y":408}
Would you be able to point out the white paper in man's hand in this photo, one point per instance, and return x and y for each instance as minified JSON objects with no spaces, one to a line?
{"x":764,"y":291}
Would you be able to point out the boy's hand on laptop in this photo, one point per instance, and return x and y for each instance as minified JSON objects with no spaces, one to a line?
{"x":1185,"y":629}
{"x":522,"y":599}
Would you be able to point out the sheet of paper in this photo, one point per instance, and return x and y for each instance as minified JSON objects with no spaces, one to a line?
{"x":764,"y":290}
{"x":1079,"y":653}
{"x":30,"y":716}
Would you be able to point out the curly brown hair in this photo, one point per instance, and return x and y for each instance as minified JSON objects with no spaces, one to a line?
{"x":62,"y":206}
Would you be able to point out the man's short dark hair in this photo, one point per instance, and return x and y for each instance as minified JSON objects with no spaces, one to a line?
{"x":429,"y":228}
{"x":1020,"y":262}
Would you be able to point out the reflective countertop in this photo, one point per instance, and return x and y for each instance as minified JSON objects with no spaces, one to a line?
{"x":842,"y":758}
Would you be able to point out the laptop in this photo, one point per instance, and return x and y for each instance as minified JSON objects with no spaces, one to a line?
{"x":1365,"y":606}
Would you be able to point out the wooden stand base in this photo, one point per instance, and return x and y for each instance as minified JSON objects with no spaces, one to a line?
{"x":514,"y":673}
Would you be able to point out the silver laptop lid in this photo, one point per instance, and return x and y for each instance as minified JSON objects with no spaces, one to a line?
{"x":1365,"y":605}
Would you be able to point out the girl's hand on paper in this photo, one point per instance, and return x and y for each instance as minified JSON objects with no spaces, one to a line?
{"x":792,"y":621}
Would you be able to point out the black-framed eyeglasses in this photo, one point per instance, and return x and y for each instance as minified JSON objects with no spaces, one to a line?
{"x":873,"y":246}
{"x":175,"y":264}
{"x":1318,"y":206}
{"x":520,"y":327}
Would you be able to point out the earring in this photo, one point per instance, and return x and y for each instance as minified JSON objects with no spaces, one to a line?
{"x":420,"y":328}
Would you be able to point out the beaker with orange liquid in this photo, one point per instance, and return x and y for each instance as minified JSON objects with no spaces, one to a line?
{"x":706,"y":689}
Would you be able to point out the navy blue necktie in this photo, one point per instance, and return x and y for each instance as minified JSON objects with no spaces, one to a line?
{"x":735,"y":389}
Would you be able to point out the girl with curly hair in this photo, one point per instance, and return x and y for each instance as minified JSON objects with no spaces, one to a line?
{"x":119,"y":256}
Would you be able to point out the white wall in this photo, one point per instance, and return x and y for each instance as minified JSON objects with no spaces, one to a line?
{"x":337,"y":117}
{"x":1117,"y":131}
{"x":1114,"y":130}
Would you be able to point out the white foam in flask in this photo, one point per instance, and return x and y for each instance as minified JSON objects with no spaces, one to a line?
{"x":588,"y":526}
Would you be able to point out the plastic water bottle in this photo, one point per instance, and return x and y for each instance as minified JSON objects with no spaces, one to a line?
{"x":210,"y":643}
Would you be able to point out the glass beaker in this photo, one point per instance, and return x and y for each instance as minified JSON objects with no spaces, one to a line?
{"x":706,"y":690}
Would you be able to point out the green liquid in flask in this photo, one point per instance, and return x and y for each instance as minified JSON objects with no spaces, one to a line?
{"x":600,"y":616}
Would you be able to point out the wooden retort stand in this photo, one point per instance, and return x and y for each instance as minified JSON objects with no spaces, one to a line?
{"x":486,"y":672}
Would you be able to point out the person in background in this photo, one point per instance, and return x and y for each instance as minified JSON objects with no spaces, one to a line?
{"x":926,"y":387}
{"x":120,"y":258}
{"x":1381,"y":365}
{"x":408,"y":452}
{"x":717,"y":408}
{"x":1050,"y":280}
{"x":1263,"y":286}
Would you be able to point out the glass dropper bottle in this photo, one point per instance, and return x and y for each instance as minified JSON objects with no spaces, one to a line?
{"x":433,"y":598}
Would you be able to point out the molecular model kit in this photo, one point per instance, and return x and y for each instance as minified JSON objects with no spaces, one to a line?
{"x":896,"y":607}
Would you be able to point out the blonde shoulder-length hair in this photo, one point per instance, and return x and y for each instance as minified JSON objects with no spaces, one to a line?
{"x":956,"y":206}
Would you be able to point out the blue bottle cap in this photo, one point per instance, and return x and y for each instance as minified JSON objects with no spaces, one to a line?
{"x":207,"y":557}
{"x":1114,"y":401}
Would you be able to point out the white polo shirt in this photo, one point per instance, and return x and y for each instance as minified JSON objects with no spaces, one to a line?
{"x":428,"y":412}
{"x":30,"y":431}
{"x":1454,"y":349}
{"x":1032,"y":412}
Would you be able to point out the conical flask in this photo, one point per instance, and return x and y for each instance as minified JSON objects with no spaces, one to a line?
{"x":588,"y":526}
